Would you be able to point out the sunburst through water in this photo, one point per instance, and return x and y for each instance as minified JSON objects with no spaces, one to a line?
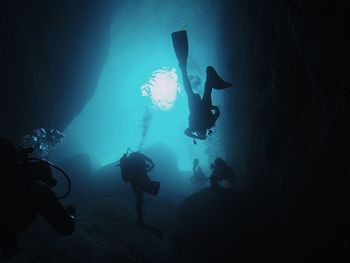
{"x":162,"y":88}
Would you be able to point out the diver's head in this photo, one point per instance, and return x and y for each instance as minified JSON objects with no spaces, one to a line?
{"x":219,"y":161}
{"x":201,"y":128}
{"x":195,"y":162}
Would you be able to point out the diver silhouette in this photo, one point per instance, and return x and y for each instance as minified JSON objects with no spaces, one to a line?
{"x":221,"y":171}
{"x":203,"y":114}
{"x":134,"y":168}
{"x":198,"y":174}
{"x":25,"y":191}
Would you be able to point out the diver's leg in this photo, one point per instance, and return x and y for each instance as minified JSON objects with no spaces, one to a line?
{"x":186,"y":80}
{"x":139,"y":208}
{"x":215,"y":81}
{"x":156,"y":187}
{"x":206,"y":100}
{"x":139,"y":204}
{"x":188,"y":88}
{"x":206,"y":107}
{"x":213,"y":182}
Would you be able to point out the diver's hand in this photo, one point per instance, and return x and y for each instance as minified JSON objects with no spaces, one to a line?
{"x":71,"y":210}
{"x":215,"y":107}
{"x":216,"y":112}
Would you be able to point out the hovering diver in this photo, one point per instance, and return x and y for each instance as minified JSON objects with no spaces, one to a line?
{"x":221,"y":171}
{"x":25,"y":191}
{"x":198,"y":174}
{"x":134,"y":169}
{"x":203,"y":114}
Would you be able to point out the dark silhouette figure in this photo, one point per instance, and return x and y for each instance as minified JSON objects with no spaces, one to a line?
{"x":25,"y":191}
{"x":221,"y":171}
{"x":203,"y":114}
{"x":134,"y":169}
{"x":198,"y":174}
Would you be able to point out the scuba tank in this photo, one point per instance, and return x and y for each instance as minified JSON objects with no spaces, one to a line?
{"x":131,"y":166}
{"x":134,"y":169}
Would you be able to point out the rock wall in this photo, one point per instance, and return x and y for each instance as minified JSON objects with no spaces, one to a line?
{"x":289,"y":125}
{"x":52,"y":53}
{"x":290,"y":116}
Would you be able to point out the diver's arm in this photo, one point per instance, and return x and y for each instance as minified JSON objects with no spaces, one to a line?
{"x":60,"y":218}
{"x":152,"y":165}
{"x":150,"y":162}
{"x":216,"y":112}
{"x":190,"y":133}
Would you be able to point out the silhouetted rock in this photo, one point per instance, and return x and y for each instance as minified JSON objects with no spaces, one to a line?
{"x":290,"y":116}
{"x":53,"y":56}
{"x":221,"y":226}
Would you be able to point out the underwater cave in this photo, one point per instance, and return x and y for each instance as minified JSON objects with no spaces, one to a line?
{"x":83,"y":83}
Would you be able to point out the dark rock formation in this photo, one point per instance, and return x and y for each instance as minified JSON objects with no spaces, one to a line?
{"x":290,"y":115}
{"x":51,"y":57}
{"x":210,"y":227}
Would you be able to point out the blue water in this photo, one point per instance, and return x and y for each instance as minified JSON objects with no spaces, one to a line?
{"x":140,"y":43}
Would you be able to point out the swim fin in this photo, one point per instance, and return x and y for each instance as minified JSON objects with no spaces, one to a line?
{"x":180,"y":43}
{"x":215,"y":81}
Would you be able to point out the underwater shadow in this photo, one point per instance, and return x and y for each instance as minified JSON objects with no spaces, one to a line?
{"x":152,"y":229}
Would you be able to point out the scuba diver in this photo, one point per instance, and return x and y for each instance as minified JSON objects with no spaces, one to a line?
{"x":203,"y":114}
{"x":25,"y":191}
{"x":198,"y":174}
{"x":221,"y":171}
{"x":134,"y":168}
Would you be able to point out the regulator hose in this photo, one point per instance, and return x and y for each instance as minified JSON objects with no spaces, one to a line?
{"x":61,"y":171}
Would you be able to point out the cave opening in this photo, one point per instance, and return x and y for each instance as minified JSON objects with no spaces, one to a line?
{"x":140,"y":101}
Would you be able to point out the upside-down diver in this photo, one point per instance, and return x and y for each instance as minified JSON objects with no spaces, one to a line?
{"x":203,"y":114}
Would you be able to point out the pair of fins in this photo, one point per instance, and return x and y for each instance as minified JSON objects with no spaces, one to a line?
{"x":180,"y":43}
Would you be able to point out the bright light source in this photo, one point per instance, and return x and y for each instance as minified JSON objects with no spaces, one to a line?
{"x":162,"y":88}
{"x":134,"y":78}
